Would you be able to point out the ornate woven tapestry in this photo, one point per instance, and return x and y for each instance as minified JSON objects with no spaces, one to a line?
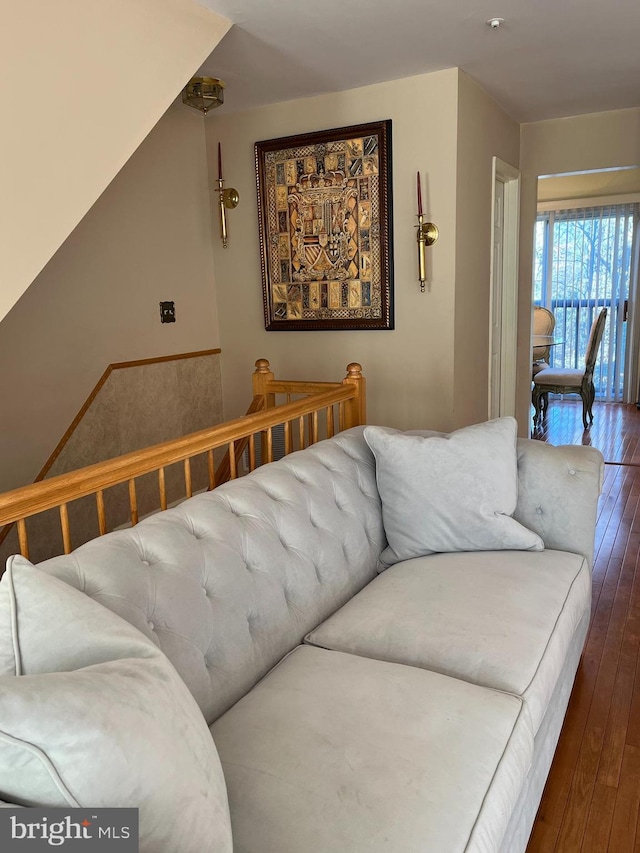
{"x":325,"y":223}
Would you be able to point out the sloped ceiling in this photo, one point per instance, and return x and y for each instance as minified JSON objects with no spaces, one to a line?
{"x":549,"y":59}
{"x":81,"y":85}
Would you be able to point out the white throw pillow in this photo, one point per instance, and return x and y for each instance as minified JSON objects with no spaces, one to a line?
{"x":453,"y":492}
{"x":93,"y":714}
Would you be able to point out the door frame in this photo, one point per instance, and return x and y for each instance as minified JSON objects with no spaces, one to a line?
{"x":510,"y":177}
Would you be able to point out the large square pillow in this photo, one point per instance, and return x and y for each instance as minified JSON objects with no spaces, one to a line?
{"x":453,"y":492}
{"x":93,"y":714}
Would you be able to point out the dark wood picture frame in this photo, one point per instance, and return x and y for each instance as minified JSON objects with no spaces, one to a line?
{"x":326,"y":238}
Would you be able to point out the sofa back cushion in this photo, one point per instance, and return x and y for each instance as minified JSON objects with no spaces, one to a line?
{"x":229,"y":581}
{"x":449,"y":493}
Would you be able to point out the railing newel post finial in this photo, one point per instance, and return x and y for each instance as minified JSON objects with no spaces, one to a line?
{"x":262,"y":376}
{"x":356,"y":409}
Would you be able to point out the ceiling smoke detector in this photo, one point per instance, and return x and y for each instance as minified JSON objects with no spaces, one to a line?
{"x":495,"y":23}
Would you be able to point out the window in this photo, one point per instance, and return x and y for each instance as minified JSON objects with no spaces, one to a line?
{"x":583,"y":262}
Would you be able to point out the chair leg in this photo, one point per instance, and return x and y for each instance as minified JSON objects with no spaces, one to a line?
{"x":592,"y":397}
{"x":585,"y":393}
{"x":536,"y":398}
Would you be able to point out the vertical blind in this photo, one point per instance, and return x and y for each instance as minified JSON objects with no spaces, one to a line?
{"x":582,"y":263}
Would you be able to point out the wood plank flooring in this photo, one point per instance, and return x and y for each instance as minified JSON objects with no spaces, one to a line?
{"x":615,"y":429}
{"x":592,"y":798}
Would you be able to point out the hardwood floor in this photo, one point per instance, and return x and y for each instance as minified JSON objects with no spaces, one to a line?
{"x":592,"y":797}
{"x":615,"y":429}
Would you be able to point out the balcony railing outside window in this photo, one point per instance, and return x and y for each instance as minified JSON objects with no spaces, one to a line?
{"x":583,"y":260}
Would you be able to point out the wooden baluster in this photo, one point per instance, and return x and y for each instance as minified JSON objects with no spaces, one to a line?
{"x":269,"y":445}
{"x":340,"y":417}
{"x":133,"y":502}
{"x":329,"y":411}
{"x":264,"y":447}
{"x":187,"y":478}
{"x":102,"y":517}
{"x":252,"y":452}
{"x":314,"y":427}
{"x":301,"y":431}
{"x":22,"y":538}
{"x":232,"y":461}
{"x":64,"y":524}
{"x":212,"y":470}
{"x":288,"y":438}
{"x":162,"y":487}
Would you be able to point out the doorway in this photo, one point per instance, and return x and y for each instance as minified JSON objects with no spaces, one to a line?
{"x":583,"y":262}
{"x":504,"y":289}
{"x":586,"y":258}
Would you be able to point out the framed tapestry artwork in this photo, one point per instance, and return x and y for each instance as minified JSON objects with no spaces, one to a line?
{"x":324,"y":208}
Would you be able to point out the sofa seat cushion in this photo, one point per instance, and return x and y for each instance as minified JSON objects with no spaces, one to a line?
{"x":335,"y":752}
{"x":569,"y":377}
{"x":503,"y":619}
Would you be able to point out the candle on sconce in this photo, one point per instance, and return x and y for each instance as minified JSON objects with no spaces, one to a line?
{"x":427,"y":234}
{"x":228,"y":199}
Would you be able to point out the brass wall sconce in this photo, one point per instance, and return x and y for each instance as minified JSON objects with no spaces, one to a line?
{"x":427,"y":234}
{"x":203,"y":93}
{"x":228,"y":199}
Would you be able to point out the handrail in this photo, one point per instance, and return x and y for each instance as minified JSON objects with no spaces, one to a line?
{"x":284,"y":386}
{"x":47,"y":494}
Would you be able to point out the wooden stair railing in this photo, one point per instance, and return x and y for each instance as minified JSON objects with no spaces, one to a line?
{"x":302,"y":423}
{"x":223,"y":472}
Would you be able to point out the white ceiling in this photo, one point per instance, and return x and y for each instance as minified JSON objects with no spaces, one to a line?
{"x":550,"y":58}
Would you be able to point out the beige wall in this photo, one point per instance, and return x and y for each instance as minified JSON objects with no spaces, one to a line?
{"x":589,"y":185}
{"x":148,"y":238}
{"x":81,"y":85}
{"x":581,"y":143}
{"x":410,"y":369}
{"x":432,"y":369}
{"x":484,"y":131}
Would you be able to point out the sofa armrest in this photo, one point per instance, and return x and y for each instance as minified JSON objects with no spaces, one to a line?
{"x":558,"y":490}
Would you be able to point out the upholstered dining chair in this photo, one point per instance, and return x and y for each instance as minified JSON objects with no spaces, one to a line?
{"x":570,"y":380}
{"x":543,"y":324}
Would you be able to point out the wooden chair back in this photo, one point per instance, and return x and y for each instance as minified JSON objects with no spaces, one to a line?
{"x":595,"y":337}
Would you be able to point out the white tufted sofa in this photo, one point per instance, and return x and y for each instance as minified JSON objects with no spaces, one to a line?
{"x":413,"y":710}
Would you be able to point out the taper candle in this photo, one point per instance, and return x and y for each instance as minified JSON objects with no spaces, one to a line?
{"x":419,"y":196}
{"x":219,"y":162}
